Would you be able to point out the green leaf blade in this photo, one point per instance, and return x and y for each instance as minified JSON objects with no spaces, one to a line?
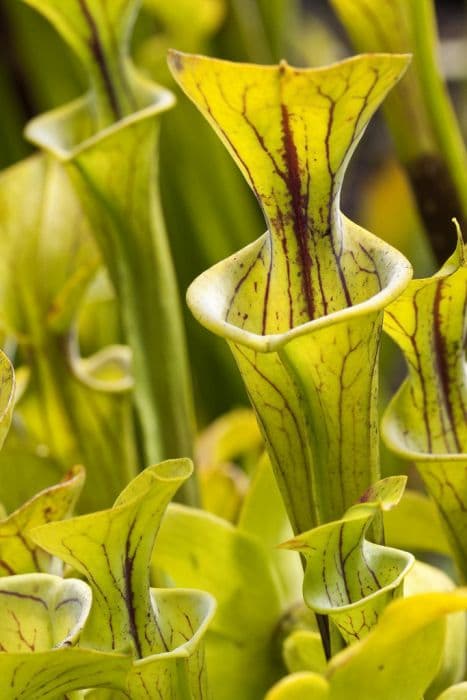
{"x":18,"y":553}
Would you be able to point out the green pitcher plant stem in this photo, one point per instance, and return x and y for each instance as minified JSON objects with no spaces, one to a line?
{"x":107,"y":143}
{"x":78,"y":409}
{"x":302,"y":306}
{"x":432,"y":150}
{"x":426,"y":420}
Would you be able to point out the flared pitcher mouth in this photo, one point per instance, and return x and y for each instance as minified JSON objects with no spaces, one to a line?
{"x":179,"y":597}
{"x":406,"y":561}
{"x":51,"y":594}
{"x":172,"y":470}
{"x":175,"y":61}
{"x":67,"y":131}
{"x":208,"y":296}
{"x":394,"y":436}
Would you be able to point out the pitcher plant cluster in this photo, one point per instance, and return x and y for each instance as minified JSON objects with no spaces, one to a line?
{"x":301,"y":574}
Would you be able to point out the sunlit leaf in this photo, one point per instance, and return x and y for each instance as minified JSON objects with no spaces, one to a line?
{"x":423,"y":578}
{"x":456,"y":692}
